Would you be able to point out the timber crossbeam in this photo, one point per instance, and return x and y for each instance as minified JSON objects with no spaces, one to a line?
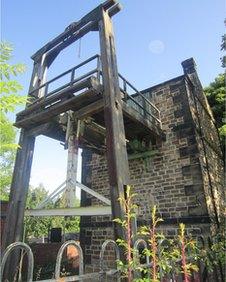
{"x":79,"y":211}
{"x":77,"y":29}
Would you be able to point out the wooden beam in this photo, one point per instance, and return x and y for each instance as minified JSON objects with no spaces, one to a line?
{"x":62,"y":187}
{"x":41,"y":129}
{"x":52,"y":54}
{"x":117,"y":160}
{"x":152,"y":126}
{"x":90,"y":82}
{"x":99,"y":129}
{"x":45,"y":115}
{"x":19,"y":188}
{"x":114,"y":9}
{"x":73,"y":129}
{"x":89,"y":26}
{"x":13,"y":230}
{"x":90,"y":109}
{"x":80,"y":211}
{"x":93,"y":139}
{"x":93,"y":193}
{"x":86,"y":179}
{"x":52,"y":195}
{"x":93,"y":16}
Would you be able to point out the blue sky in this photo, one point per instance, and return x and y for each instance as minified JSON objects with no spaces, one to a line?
{"x":153,"y":37}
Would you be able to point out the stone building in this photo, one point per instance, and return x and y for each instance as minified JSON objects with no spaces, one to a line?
{"x":182,"y":175}
{"x":178,"y":167}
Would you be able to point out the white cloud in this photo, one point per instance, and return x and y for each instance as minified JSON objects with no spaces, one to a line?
{"x":156,"y":46}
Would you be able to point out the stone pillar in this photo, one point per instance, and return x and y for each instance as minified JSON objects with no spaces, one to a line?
{"x":189,"y":66}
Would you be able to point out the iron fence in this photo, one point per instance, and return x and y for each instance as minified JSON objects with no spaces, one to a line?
{"x":104,"y":274}
{"x":57,"y":274}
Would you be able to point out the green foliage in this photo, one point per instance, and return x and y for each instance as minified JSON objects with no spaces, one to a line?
{"x":223,"y":48}
{"x":153,"y":237}
{"x":137,"y":146}
{"x":9,"y":100}
{"x":214,"y":255}
{"x":216,"y":96}
{"x":166,"y":255}
{"x":36,"y":227}
{"x":130,"y":214}
{"x":184,"y":245}
{"x":7,"y":152}
{"x":177,"y":256}
{"x":222,"y":130}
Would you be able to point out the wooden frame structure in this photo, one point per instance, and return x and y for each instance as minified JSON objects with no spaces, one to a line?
{"x":100,"y":93}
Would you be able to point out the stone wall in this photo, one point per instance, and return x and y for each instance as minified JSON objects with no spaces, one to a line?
{"x":210,"y":153}
{"x":174,"y":178}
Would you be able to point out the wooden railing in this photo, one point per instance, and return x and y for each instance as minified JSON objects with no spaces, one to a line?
{"x":45,"y":87}
{"x":139,"y":102}
{"x":131,"y":96}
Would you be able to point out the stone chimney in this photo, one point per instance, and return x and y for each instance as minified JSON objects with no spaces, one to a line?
{"x":189,"y":66}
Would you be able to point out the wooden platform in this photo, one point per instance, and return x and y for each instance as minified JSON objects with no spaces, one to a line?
{"x":85,"y":97}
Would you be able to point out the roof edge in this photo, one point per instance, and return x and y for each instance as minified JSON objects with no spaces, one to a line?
{"x":163,"y":83}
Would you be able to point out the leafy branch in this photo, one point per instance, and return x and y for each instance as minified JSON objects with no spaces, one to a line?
{"x":9,"y":100}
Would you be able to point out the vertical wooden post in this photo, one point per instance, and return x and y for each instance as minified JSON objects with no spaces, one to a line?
{"x":19,"y":187}
{"x":86,"y":176}
{"x":42,"y":75}
{"x":14,"y":222}
{"x":118,"y":166}
{"x":72,"y":163}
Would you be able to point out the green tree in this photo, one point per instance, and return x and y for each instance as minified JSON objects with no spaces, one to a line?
{"x":9,"y":100}
{"x":216,"y":95}
{"x":223,"y":48}
{"x":7,"y":153}
{"x":36,"y":227}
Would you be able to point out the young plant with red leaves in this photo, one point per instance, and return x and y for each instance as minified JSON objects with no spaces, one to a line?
{"x":186,"y":263}
{"x":130,"y":214}
{"x":152,"y":235}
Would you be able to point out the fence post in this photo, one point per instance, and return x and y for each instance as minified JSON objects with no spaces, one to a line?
{"x":102,"y":251}
{"x":30,"y":256}
{"x":136,"y":253}
{"x":60,"y":254}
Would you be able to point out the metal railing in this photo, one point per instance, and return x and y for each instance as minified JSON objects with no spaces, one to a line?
{"x":60,"y":254}
{"x":57,"y":274}
{"x":117,"y":253}
{"x":137,"y":243}
{"x":103,"y":273}
{"x":28,"y":251}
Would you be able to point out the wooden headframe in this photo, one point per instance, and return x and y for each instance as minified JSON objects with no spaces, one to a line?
{"x":98,"y":19}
